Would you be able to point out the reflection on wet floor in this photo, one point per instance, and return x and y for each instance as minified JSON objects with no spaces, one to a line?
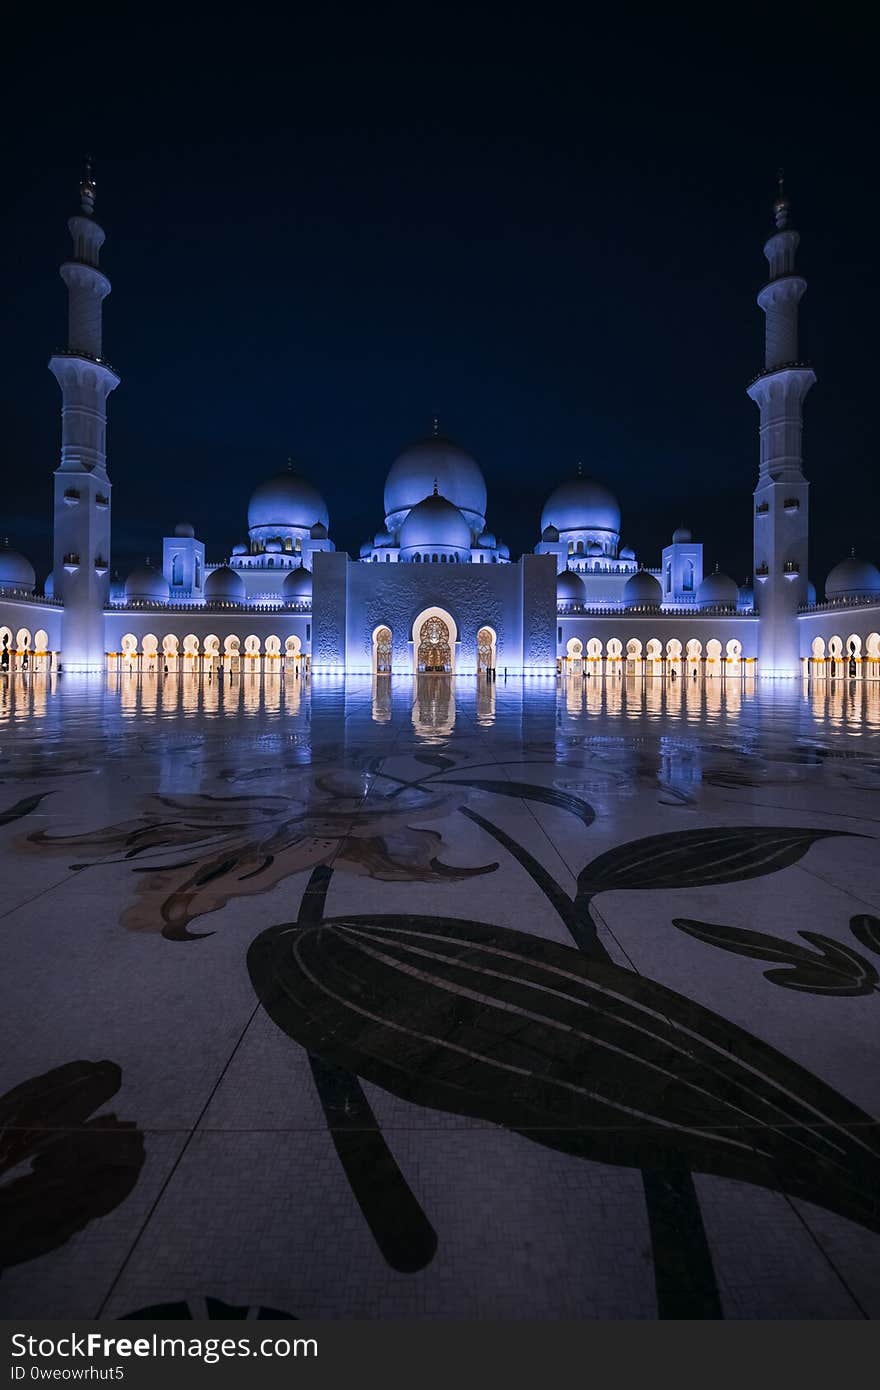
{"x":435,"y":702}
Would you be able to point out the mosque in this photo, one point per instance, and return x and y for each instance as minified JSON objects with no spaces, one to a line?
{"x":434,"y":589}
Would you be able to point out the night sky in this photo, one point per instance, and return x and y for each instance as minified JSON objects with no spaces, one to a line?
{"x":321,"y":235}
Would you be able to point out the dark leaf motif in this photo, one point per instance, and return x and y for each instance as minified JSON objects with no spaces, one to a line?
{"x":698,"y":858}
{"x":581,"y":1055}
{"x":81,"y":1168}
{"x":830,"y":969}
{"x":866,"y":929}
{"x":528,"y":791}
{"x":22,"y":808}
{"x":213,"y":1308}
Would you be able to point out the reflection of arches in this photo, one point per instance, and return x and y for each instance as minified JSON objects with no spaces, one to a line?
{"x":486,"y":644}
{"x":383,"y":645}
{"x":434,"y":638}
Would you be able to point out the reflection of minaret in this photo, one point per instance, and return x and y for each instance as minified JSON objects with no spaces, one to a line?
{"x":82,"y":487}
{"x":781,"y":520}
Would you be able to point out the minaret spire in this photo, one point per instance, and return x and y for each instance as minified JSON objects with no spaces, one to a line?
{"x":781,"y":517}
{"x":82,"y":483}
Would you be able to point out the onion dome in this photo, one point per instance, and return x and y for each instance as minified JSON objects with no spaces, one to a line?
{"x":681,"y":535}
{"x":365,"y":551}
{"x":16,"y":570}
{"x":146,"y":585}
{"x":435,"y":522}
{"x":853,"y":578}
{"x":504,"y":551}
{"x":581,"y":504}
{"x":223,"y":585}
{"x":745,"y":597}
{"x":49,"y":585}
{"x":287,"y":501}
{"x":319,"y":531}
{"x":570,"y":587}
{"x":297,"y":584}
{"x":184,"y":531}
{"x":487,"y":541}
{"x":550,"y":535}
{"x":413,"y":473}
{"x":627,"y":553}
{"x":717,"y":591}
{"x":240,"y":549}
{"x":642,"y":590}
{"x":811,"y":591}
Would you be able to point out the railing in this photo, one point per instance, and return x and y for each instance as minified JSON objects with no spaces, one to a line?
{"x":780,"y":367}
{"x":28,"y":596}
{"x":215,"y":606}
{"x":717,"y":610}
{"x":830,"y":604}
{"x":87,"y":357}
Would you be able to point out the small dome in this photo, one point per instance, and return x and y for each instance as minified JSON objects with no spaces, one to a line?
{"x":297,"y":584}
{"x":853,"y":578}
{"x":146,"y":585}
{"x":570,"y":587}
{"x":627,"y":553}
{"x":550,"y":535}
{"x":223,"y":585}
{"x":184,"y":531}
{"x":581,"y":504}
{"x":273,"y":547}
{"x":681,"y":535}
{"x":487,"y":541}
{"x":642,"y":590}
{"x":16,"y":571}
{"x":594,"y":549}
{"x":240,"y":548}
{"x":383,"y":538}
{"x":717,"y":591}
{"x":811,"y":591}
{"x":503,"y":550}
{"x":319,"y":531}
{"x":438,"y":460}
{"x":49,"y":585}
{"x":435,"y":522}
{"x":287,"y":501}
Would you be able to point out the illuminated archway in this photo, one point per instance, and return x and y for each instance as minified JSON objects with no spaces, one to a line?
{"x":434,"y":636}
{"x":486,"y":647}
{"x":383,"y":650}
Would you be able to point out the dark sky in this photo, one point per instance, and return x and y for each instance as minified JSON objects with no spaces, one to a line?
{"x":319,"y":234}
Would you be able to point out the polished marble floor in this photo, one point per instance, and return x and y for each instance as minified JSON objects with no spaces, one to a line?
{"x":439,"y":998}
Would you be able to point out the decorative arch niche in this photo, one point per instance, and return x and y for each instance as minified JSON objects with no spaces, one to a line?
{"x":431,"y":642}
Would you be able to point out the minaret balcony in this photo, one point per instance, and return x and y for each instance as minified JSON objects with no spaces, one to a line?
{"x":71,"y":496}
{"x":791,"y":569}
{"x":791,"y":505}
{"x":762,"y":572}
{"x":762,"y":509}
{"x":102,"y":501}
{"x":101,"y":565}
{"x":71,"y":562}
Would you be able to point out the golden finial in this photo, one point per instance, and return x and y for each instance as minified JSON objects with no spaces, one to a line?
{"x":87,"y":189}
{"x":782,"y":204}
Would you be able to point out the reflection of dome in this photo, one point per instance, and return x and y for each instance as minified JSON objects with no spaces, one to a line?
{"x":184,"y":531}
{"x":717,"y":591}
{"x":223,"y":585}
{"x":16,"y":571}
{"x":681,"y":535}
{"x":435,"y":522}
{"x":146,"y":585}
{"x":642,"y":590}
{"x":285,"y":501}
{"x":581,"y":504}
{"x":413,"y":474}
{"x":297,"y":584}
{"x":853,"y":578}
{"x":570,"y":587}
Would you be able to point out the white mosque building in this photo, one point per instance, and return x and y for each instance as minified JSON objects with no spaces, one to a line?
{"x":435,"y":589}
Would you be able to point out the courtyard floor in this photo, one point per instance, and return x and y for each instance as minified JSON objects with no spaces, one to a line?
{"x":423,"y":998}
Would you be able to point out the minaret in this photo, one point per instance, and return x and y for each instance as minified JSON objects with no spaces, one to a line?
{"x":781,"y":519}
{"x":82,"y":486}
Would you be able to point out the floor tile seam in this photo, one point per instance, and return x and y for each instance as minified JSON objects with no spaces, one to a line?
{"x":873,"y":908}
{"x":813,"y":1236}
{"x":789,"y":810}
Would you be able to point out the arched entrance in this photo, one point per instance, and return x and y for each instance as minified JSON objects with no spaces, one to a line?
{"x":382,"y":650}
{"x":434,"y":637}
{"x":486,"y":642}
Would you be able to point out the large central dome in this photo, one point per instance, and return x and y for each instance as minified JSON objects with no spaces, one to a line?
{"x":435,"y":460}
{"x":285,"y":502}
